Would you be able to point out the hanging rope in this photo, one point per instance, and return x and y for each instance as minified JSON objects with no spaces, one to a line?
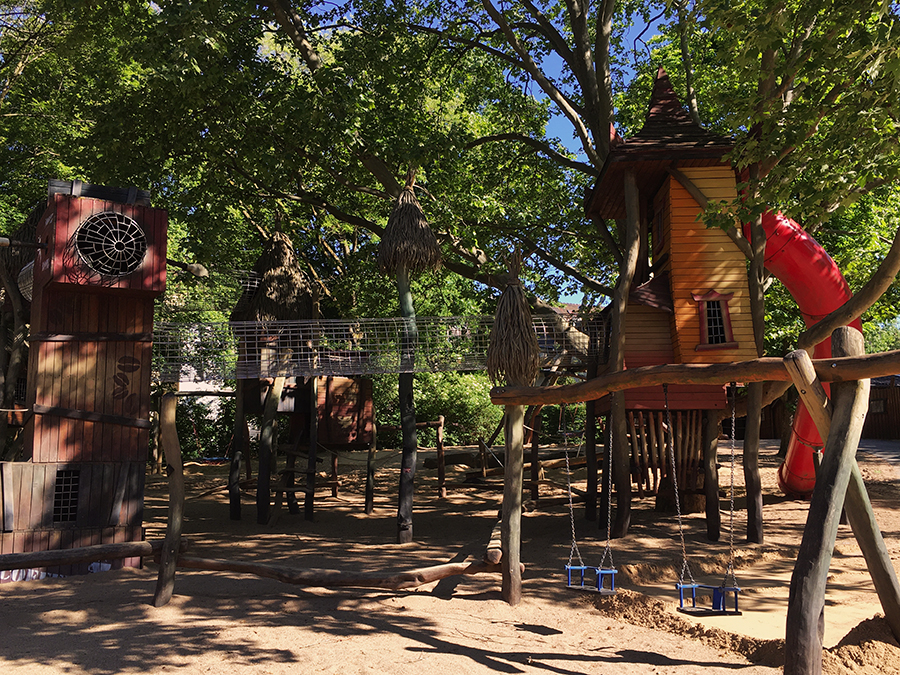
{"x":573,"y":551}
{"x":670,"y":436}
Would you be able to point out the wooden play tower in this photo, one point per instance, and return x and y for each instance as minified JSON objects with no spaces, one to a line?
{"x":94,"y":281}
{"x":689,"y":300}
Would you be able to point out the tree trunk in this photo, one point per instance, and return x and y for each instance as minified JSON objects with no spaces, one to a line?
{"x":268,"y":441}
{"x":511,"y":526}
{"x":751,"y":464}
{"x":238,"y":450}
{"x":165,"y":582}
{"x":806,"y":600}
{"x":407,"y":412}
{"x":621,"y":453}
{"x":590,"y":442}
{"x":710,"y":442}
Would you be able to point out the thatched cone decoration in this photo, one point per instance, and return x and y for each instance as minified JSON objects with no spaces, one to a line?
{"x":284,"y":292}
{"x":408,"y":241}
{"x":513,"y":354}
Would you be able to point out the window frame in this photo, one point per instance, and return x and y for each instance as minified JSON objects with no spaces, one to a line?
{"x":702,"y":304}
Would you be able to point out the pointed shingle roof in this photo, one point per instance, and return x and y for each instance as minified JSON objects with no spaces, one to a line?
{"x":669,"y":138}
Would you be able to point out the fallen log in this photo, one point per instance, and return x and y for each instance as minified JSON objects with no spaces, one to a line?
{"x":82,"y":554}
{"x":323,"y":578}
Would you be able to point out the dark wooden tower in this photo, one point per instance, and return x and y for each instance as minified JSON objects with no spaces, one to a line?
{"x":88,"y":373}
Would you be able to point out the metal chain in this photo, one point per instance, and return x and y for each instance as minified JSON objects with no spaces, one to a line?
{"x":574,"y":549}
{"x":685,"y":568}
{"x":730,"y":568}
{"x":609,"y":463}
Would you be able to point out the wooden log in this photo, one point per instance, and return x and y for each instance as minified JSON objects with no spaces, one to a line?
{"x":323,"y":578}
{"x":836,"y":369}
{"x":310,"y":495}
{"x":511,"y":527}
{"x":635,"y":455}
{"x":238,"y":450}
{"x":82,"y":554}
{"x":710,"y":442}
{"x":408,"y":460}
{"x":441,"y":470}
{"x":806,"y":599}
{"x":370,"y":473}
{"x":645,"y":454}
{"x":750,"y":461}
{"x":165,"y":582}
{"x":653,"y":450}
{"x":268,"y":437}
{"x":494,"y":552}
{"x":857,"y":504}
{"x":535,"y":453}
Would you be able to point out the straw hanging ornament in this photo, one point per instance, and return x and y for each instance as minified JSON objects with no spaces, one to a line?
{"x":513,"y":354}
{"x":408,"y":241}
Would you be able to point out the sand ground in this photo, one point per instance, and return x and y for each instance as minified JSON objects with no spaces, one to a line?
{"x":225,"y":622}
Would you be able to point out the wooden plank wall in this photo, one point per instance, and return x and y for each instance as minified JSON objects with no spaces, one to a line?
{"x":701,"y":260}
{"x":109,"y":509}
{"x":883,"y":418}
{"x":650,"y":464}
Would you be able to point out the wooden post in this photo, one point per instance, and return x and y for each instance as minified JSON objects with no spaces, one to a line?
{"x":165,"y":582}
{"x":238,"y":449}
{"x":310,"y":496}
{"x":370,"y":472}
{"x":442,"y":486}
{"x":710,"y":443}
{"x":535,"y":453}
{"x":268,"y":439}
{"x":751,"y":464}
{"x":857,"y":505}
{"x":511,"y":527}
{"x":806,"y":600}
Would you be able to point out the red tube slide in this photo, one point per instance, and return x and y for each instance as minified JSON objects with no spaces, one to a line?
{"x":815,"y":282}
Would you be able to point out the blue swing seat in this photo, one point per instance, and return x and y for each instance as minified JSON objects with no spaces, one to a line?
{"x":719,"y":600}
{"x":602,"y":575}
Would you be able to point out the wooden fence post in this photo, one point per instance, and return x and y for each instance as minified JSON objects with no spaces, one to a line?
{"x":442,"y":476}
{"x":165,"y":582}
{"x":268,"y":442}
{"x":806,"y":600}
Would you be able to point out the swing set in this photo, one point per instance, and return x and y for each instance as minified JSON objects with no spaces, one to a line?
{"x":602,"y":578}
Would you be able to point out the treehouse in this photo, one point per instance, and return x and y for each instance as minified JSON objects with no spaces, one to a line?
{"x":689,"y":301}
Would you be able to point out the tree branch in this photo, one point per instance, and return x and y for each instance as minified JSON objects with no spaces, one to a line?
{"x":593,"y":284}
{"x":538,"y":145}
{"x":548,"y":88}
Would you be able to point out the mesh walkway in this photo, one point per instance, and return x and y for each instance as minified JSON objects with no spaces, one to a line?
{"x":209,"y":352}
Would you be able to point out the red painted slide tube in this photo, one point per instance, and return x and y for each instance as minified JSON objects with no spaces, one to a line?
{"x":817,"y":285}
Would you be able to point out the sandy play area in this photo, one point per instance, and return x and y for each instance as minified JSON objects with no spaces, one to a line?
{"x":224,"y":622}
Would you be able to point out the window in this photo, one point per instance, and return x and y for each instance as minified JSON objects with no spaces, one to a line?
{"x":65,"y":496}
{"x":877,"y":406}
{"x":715,"y":322}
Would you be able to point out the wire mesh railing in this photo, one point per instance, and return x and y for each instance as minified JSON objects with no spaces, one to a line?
{"x":249,"y":349}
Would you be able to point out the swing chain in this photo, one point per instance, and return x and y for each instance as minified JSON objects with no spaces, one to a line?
{"x":685,"y":567}
{"x":573,"y":551}
{"x":730,"y":569}
{"x":609,"y":461}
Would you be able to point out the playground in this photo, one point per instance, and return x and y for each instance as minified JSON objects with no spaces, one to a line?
{"x":217,"y":622}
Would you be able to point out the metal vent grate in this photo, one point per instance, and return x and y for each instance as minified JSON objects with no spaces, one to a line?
{"x":111,"y":244}
{"x":65,"y":496}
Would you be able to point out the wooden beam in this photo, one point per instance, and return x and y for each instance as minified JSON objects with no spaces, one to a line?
{"x":856,"y":504}
{"x":339,"y":579}
{"x":710,"y":442}
{"x":769,"y":369}
{"x":511,"y":525}
{"x":268,"y":437}
{"x":165,"y":582}
{"x":806,"y":600}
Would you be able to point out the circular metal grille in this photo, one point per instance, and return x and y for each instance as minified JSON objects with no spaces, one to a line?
{"x":111,"y":244}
